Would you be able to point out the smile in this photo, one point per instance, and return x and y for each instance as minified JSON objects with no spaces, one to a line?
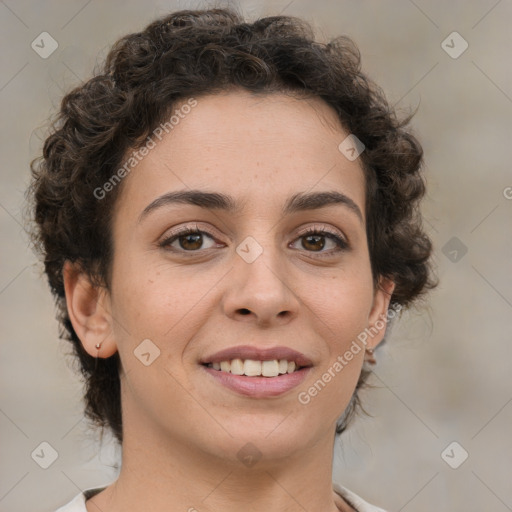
{"x":253,"y":368}
{"x":264,"y":381}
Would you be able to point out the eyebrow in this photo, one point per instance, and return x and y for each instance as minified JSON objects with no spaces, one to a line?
{"x":301,"y":201}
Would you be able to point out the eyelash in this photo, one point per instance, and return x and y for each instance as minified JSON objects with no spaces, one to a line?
{"x":341,"y":244}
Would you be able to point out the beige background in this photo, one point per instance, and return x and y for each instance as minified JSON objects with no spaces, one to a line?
{"x":445,"y":374}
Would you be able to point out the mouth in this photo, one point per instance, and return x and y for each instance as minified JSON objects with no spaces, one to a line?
{"x":254,"y":368}
{"x":257,"y":372}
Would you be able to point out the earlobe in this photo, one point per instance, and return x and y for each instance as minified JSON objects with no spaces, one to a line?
{"x":378,"y":315}
{"x":89,"y":311}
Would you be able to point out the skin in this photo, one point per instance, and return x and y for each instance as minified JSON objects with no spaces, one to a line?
{"x":182,"y":430}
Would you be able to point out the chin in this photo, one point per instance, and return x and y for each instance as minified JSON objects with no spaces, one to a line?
{"x":267,"y":438}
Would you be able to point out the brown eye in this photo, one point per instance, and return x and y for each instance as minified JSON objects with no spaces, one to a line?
{"x":189,"y":240}
{"x":315,"y":240}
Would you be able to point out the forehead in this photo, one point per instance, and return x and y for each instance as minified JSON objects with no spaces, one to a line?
{"x":260,"y":149}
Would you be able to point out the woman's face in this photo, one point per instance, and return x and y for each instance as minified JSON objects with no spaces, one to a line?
{"x":250,"y":277}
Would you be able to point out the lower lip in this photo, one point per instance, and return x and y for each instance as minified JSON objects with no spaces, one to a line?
{"x":259,"y":387}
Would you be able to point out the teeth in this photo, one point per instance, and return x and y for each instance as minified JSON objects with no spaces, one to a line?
{"x":270,"y":368}
{"x":237,"y":367}
{"x":253,"y":368}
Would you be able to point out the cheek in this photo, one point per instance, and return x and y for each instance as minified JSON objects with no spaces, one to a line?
{"x":344,"y":303}
{"x":350,"y":312}
{"x":149,"y":305}
{"x":162,"y":302}
{"x":341,"y":316}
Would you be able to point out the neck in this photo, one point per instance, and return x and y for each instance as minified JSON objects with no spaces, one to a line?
{"x":161,"y":474}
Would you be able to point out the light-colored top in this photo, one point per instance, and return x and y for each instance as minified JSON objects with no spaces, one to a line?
{"x":77,"y":504}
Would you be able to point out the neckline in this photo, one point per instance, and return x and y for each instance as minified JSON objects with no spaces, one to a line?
{"x":347,"y":495}
{"x":90,"y":493}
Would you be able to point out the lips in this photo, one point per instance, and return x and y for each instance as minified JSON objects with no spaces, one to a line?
{"x":258,"y":354}
{"x":255,"y":372}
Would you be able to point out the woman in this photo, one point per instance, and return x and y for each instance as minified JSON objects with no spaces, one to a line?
{"x":228,"y":215}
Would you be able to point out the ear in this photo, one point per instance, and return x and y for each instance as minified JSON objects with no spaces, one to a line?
{"x":89,"y":311}
{"x":378,"y":314}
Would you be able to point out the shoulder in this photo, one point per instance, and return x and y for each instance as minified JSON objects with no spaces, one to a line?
{"x":354,"y":500}
{"x":77,"y":504}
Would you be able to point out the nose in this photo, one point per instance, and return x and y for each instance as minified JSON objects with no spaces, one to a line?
{"x":260,"y":291}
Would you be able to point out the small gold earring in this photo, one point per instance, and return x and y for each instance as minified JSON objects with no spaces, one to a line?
{"x":98,"y":346}
{"x":370,"y":357}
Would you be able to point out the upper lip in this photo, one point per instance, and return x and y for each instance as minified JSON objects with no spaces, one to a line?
{"x":258,"y":354}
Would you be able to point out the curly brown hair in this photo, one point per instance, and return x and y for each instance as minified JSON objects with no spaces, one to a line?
{"x":197,"y":52}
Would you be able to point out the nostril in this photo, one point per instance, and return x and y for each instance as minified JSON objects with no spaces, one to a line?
{"x":244,"y":311}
